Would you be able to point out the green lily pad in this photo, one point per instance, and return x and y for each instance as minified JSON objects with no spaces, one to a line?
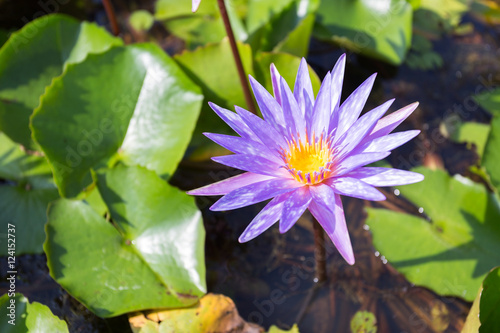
{"x":484,"y":316}
{"x":204,"y":26}
{"x":152,"y":256}
{"x":364,"y":322}
{"x":439,"y":16}
{"x":32,"y":57}
{"x":380,"y":29}
{"x":212,"y":67}
{"x":284,"y":25}
{"x":146,"y":115}
{"x":28,"y":317}
{"x":141,"y":20}
{"x":452,"y":253}
{"x":275,"y":329}
{"x":491,"y":159}
{"x":466,"y":132}
{"x":489,"y":100}
{"x":24,"y":198}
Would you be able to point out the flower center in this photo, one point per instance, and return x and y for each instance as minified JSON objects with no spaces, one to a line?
{"x":308,"y":162}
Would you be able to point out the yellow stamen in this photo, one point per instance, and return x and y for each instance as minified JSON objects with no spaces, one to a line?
{"x":308,"y":161}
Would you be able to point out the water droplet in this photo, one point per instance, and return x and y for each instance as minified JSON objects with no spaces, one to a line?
{"x":366,"y":227}
{"x":384,"y":261}
{"x":315,"y":280}
{"x":396,"y":192}
{"x":377,"y":253}
{"x":421,"y":210}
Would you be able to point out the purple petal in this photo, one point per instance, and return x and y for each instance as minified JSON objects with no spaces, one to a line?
{"x":252,"y":163}
{"x":361,"y":128}
{"x":309,"y":107}
{"x":243,"y":146}
{"x":388,"y":142}
{"x":275,"y":80}
{"x":322,"y":108}
{"x":234,"y":121}
{"x":333,"y":221}
{"x":336,"y":90}
{"x":385,"y":176}
{"x":387,"y":124}
{"x":293,"y":118}
{"x":294,"y":206}
{"x":230,"y":184}
{"x":355,"y":161}
{"x":353,"y":187}
{"x":195,"y":5}
{"x":264,"y":220}
{"x":266,"y":133}
{"x":269,"y":107}
{"x":350,"y":110}
{"x":303,"y":86}
{"x":254,"y":193}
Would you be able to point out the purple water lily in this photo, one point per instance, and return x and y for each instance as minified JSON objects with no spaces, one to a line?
{"x":306,"y":152}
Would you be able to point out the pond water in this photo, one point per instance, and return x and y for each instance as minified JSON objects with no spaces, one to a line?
{"x":271,"y":278}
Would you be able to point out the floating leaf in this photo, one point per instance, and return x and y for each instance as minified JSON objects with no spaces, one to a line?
{"x":452,"y":252}
{"x":19,"y":315}
{"x":141,"y":20}
{"x":32,"y":57}
{"x":439,"y":16}
{"x":147,"y":114}
{"x":381,"y":29}
{"x":153,"y":258}
{"x":489,"y":100}
{"x":216,"y":61}
{"x":204,"y":26}
{"x":491,"y":159}
{"x":284,"y":26}
{"x":24,"y":199}
{"x":275,"y":329}
{"x":466,"y":132}
{"x":214,"y":313}
{"x":364,"y":322}
{"x":484,"y":316}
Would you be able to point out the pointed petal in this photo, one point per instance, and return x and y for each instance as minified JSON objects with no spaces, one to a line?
{"x":303,"y":85}
{"x":387,"y":124}
{"x":351,"y":109}
{"x":230,"y":184}
{"x":275,"y":80}
{"x":294,"y":120}
{"x":253,"y":193}
{"x":252,"y":163}
{"x":195,"y":5}
{"x":388,"y":142}
{"x":269,"y":107}
{"x":336,"y":90}
{"x":355,"y":161}
{"x":244,"y":146}
{"x":294,"y":206}
{"x":361,"y":128}
{"x":330,"y":215}
{"x":353,"y":187}
{"x":264,"y":220}
{"x":322,"y":108}
{"x":309,"y":107}
{"x":234,"y":121}
{"x":385,"y":176}
{"x":265,"y":132}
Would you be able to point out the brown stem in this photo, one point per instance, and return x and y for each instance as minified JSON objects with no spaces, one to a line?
{"x":110,"y":12}
{"x":236,"y":56}
{"x":319,"y":252}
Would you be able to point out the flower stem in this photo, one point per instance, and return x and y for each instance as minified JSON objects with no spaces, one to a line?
{"x":319,"y":252}
{"x":236,"y":56}
{"x":110,"y":12}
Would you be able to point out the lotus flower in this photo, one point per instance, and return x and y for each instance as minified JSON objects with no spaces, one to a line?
{"x":307,"y":152}
{"x":195,"y":5}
